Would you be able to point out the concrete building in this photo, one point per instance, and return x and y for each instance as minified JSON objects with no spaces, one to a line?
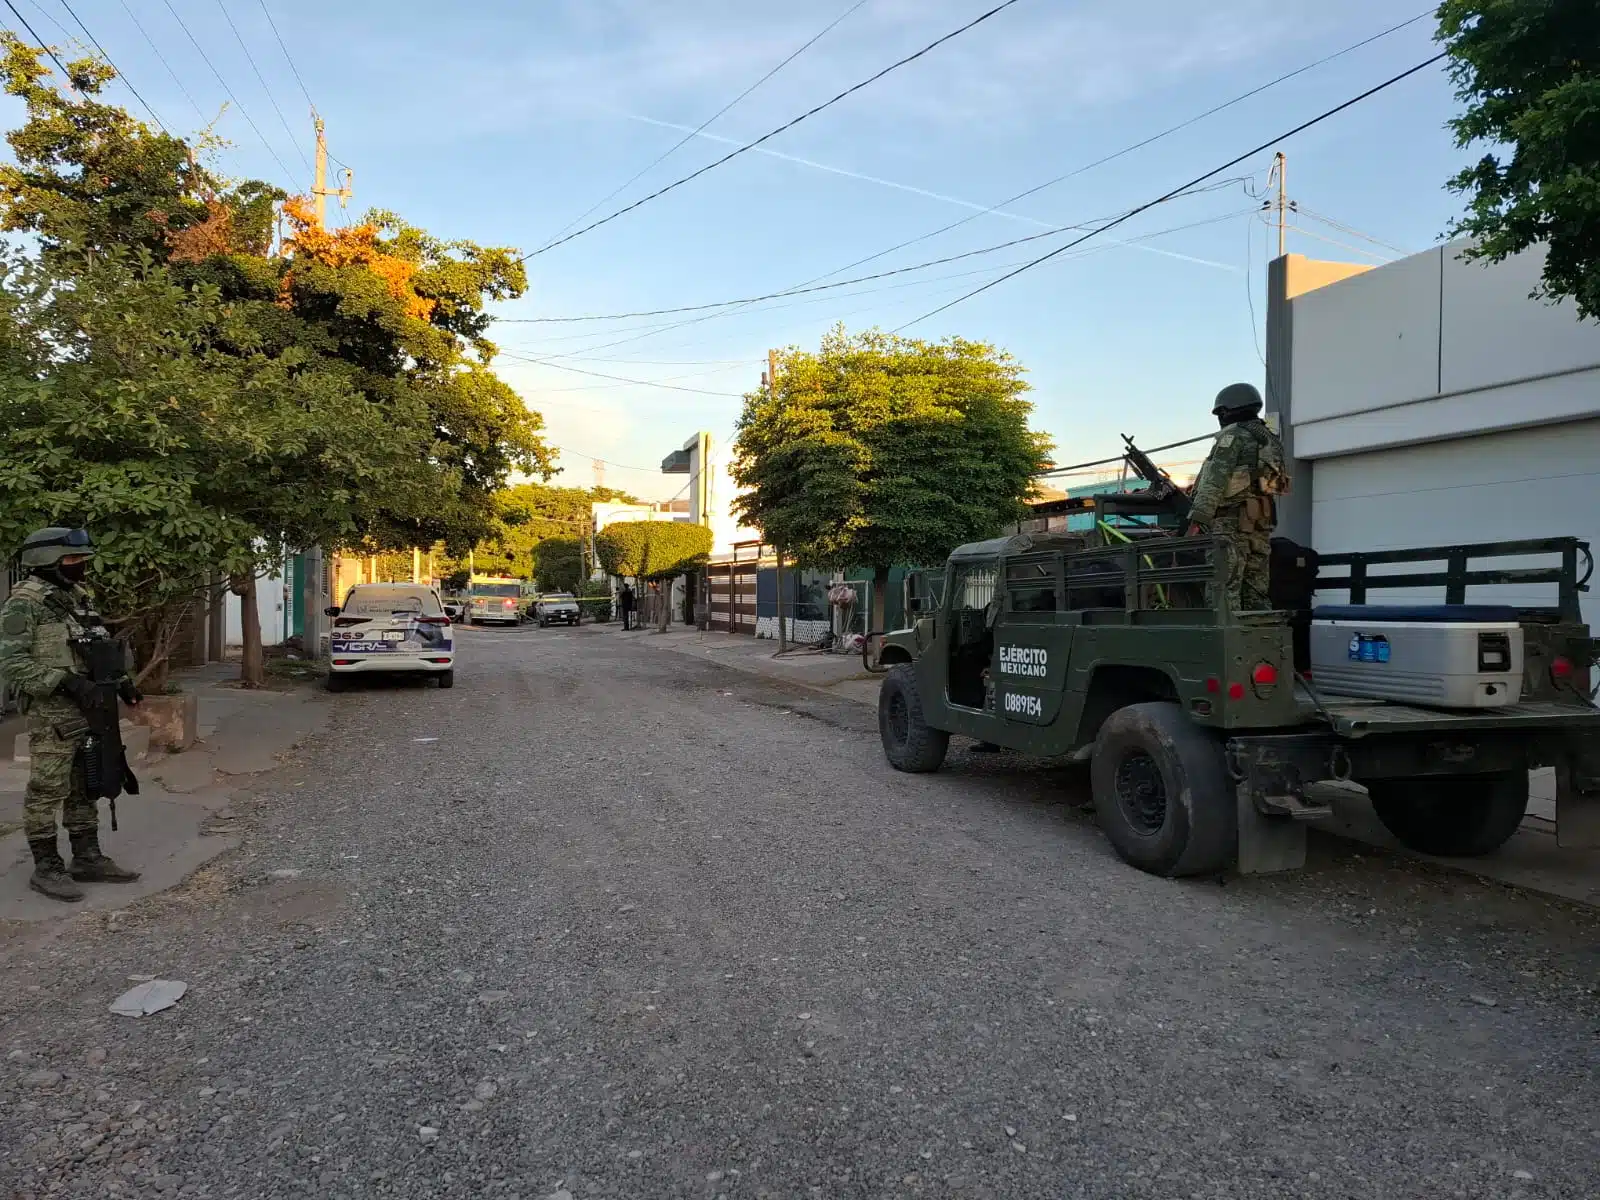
{"x":1431,"y":401}
{"x":710,"y":491}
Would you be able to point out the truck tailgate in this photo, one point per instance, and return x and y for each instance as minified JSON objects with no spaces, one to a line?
{"x":1354,"y":718}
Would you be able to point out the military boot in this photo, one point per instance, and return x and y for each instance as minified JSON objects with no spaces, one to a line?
{"x":50,"y":876}
{"x":91,"y":866}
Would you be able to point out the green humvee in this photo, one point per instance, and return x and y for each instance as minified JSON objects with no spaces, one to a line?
{"x":1206,"y":745}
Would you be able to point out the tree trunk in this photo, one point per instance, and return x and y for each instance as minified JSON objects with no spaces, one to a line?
{"x":252,"y":667}
{"x":880,"y":598}
{"x":664,"y":605}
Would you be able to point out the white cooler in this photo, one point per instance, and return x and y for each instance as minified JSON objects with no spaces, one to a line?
{"x":1438,"y":656}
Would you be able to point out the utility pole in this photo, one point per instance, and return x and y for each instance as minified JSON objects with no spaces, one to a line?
{"x":1279,"y":172}
{"x":770,"y":381}
{"x":416,"y":564}
{"x":319,"y":185}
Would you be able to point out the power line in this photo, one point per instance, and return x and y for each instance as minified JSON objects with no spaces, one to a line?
{"x":102,"y":52}
{"x":731,"y":155}
{"x":261,"y":79}
{"x":1356,"y":233}
{"x":607,"y":461}
{"x":199,"y":112}
{"x":652,"y":330}
{"x":676,"y":146}
{"x":1116,"y":458}
{"x":206,"y":58}
{"x":273,"y":25}
{"x":539,"y":362}
{"x":799,"y":291}
{"x":1139,"y":145}
{"x":48,"y":16}
{"x":43,"y":45}
{"x":1304,"y":232}
{"x":1233,"y":162}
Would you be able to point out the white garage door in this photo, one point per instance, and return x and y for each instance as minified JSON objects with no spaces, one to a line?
{"x":1542,"y":482}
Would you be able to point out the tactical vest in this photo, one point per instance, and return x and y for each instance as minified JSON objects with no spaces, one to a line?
{"x":57,"y":624}
{"x":1269,"y":478}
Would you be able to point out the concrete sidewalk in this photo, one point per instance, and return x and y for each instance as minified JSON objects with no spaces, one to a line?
{"x":181,"y":817}
{"x":1531,"y":859}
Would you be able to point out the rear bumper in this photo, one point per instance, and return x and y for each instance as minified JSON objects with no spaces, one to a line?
{"x":560,"y":618}
{"x":381,"y":664}
{"x":496,"y":619}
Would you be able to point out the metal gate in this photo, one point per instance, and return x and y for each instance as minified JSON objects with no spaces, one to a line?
{"x":731,"y":592}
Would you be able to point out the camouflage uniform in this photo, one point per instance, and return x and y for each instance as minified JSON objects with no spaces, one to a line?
{"x":39,"y":624}
{"x":1233,"y":500}
{"x":36,"y":628}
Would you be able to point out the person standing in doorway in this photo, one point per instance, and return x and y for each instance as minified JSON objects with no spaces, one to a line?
{"x":625,"y":602}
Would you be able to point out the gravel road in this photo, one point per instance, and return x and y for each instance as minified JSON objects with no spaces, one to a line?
{"x":607,"y":921}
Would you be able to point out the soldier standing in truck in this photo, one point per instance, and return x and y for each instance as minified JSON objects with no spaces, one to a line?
{"x":1235,"y":494}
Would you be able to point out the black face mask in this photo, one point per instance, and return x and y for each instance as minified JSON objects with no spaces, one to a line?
{"x":71,"y":573}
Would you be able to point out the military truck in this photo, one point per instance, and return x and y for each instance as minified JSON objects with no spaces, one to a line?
{"x":1209,"y":739}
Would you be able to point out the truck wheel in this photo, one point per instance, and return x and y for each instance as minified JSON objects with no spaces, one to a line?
{"x":1161,"y":791}
{"x":909,"y":742}
{"x":1462,"y":817}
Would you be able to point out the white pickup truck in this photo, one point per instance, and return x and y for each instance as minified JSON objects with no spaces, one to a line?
{"x":556,"y":608}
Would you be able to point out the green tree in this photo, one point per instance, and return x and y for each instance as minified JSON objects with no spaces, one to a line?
{"x":335,"y":394}
{"x":879,"y":450}
{"x":1528,"y":72}
{"x":558,"y":564}
{"x":119,"y":412}
{"x":655,"y":551}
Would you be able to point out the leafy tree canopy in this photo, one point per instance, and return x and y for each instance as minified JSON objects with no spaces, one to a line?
{"x":1528,"y":72}
{"x":652,"y":549}
{"x":878,"y":450}
{"x":203,"y":403}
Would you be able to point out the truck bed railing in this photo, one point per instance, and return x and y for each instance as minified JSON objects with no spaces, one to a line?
{"x":1459,"y":572}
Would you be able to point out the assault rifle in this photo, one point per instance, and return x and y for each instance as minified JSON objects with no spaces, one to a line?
{"x":105,"y":762}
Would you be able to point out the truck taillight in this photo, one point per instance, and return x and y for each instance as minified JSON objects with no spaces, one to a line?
{"x":1561,"y":670}
{"x":1264,"y":677}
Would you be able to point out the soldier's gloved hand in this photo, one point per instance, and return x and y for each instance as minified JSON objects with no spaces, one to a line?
{"x":78,"y":689}
{"x":129,"y":693}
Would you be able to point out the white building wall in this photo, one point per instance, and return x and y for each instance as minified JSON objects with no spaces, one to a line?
{"x":1439,"y":404}
{"x":271,"y":603}
{"x":1435,"y":347}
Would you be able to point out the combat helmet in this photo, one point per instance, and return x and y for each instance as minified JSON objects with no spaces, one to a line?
{"x":1237,"y":398}
{"x":48,"y":546}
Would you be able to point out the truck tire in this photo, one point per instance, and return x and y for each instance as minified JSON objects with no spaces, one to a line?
{"x":909,"y":742}
{"x":1162,"y":793}
{"x":1463,"y":817}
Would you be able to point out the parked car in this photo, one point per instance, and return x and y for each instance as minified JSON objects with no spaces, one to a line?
{"x":557,"y":608}
{"x":456,"y":610}
{"x":390,"y":628}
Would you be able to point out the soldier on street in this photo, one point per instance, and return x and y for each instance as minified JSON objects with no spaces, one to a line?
{"x":46,"y":618}
{"x":1234,"y":496}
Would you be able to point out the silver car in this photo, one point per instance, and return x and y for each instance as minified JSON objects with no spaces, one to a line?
{"x":557,"y":608}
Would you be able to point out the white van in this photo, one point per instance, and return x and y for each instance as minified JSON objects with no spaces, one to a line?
{"x":390,"y":627}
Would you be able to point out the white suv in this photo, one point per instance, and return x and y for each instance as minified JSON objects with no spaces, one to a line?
{"x":390,"y":627}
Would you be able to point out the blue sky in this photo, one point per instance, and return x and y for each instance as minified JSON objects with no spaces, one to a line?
{"x":503,"y":122}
